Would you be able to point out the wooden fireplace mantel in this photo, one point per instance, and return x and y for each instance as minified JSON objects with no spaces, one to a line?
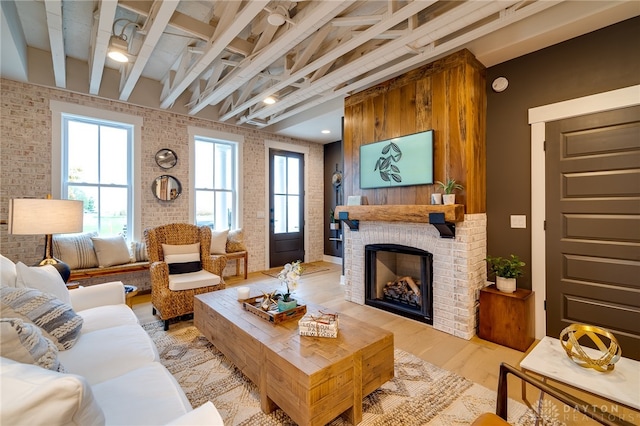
{"x":402,"y":212}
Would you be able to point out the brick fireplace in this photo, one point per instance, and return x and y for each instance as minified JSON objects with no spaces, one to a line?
{"x":459,"y":270}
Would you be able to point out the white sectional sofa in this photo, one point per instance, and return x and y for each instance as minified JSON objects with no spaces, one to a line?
{"x":112,"y":374}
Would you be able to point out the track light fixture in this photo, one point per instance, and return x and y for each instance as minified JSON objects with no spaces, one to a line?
{"x":118,"y":45}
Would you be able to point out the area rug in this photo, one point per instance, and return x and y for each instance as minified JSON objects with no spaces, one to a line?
{"x":419,"y":394}
{"x":307,"y":268}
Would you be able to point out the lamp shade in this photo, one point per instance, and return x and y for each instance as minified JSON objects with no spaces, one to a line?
{"x":36,"y":216}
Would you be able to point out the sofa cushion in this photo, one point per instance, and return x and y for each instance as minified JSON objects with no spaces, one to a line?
{"x":207,"y":414}
{"x":32,"y":395}
{"x":8,"y":274}
{"x":235,"y":241}
{"x":76,"y":250}
{"x":182,"y":259}
{"x":45,"y":278}
{"x":102,"y":317}
{"x":219,"y":242}
{"x":111,"y":250}
{"x":55,"y":318}
{"x":23,"y":342}
{"x":192,"y":280}
{"x":139,"y":251}
{"x":163,"y":398}
{"x":110,"y":352}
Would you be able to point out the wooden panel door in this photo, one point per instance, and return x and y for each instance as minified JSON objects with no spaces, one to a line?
{"x":593,"y":224}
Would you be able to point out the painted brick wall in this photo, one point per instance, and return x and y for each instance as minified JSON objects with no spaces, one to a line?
{"x":25,"y":167}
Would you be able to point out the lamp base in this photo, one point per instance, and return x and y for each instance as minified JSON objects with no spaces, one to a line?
{"x":62,"y":268}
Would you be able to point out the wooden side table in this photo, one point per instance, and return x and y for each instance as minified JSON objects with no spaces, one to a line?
{"x":237,"y":256}
{"x":129,"y":292}
{"x":507,"y":318}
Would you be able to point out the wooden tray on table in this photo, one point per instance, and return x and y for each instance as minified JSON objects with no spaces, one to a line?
{"x":252,"y":305}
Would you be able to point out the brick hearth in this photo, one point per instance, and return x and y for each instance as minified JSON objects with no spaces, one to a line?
{"x":459,"y":269}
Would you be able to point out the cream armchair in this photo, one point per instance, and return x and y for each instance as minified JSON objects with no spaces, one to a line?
{"x":172,"y":294}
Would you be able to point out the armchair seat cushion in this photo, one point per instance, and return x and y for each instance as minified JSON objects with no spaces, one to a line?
{"x":192,"y":280}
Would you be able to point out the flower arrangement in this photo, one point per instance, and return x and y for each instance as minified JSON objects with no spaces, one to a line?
{"x":289,"y":276}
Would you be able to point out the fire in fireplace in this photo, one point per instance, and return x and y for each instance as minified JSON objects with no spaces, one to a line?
{"x":399,"y":279}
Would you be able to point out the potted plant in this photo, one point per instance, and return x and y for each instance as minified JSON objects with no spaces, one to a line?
{"x":506,"y":271}
{"x":451,"y":185}
{"x":289,"y":276}
{"x":333,"y":223}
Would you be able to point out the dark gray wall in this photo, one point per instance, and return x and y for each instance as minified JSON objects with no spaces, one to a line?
{"x":332,"y":156}
{"x":600,"y":61}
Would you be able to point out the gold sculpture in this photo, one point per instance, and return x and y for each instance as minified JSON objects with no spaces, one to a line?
{"x":610,"y":355}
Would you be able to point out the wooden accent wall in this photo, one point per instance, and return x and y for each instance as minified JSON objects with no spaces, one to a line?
{"x":447,"y":95}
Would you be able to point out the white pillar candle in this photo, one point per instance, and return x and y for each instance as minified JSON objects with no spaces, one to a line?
{"x":243,"y":293}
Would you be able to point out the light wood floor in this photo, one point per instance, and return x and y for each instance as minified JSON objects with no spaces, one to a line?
{"x":476,"y":359}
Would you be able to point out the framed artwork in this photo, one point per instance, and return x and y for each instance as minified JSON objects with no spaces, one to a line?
{"x":402,"y":161}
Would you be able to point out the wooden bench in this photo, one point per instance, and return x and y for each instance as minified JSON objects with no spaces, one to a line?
{"x":83,"y":274}
{"x":237,"y":256}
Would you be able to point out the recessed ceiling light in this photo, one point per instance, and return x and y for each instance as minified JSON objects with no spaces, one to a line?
{"x":326,"y":132}
{"x":269,"y":100}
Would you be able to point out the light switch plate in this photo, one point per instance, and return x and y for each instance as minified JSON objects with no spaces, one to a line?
{"x":518,"y":221}
{"x":260,"y":215}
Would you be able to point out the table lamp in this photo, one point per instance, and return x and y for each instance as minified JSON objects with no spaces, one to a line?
{"x":35,"y":216}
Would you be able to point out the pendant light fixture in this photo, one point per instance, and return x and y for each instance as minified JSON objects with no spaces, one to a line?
{"x":118,"y":44}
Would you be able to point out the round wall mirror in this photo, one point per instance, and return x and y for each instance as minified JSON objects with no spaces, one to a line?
{"x":166,"y":188}
{"x":166,"y":158}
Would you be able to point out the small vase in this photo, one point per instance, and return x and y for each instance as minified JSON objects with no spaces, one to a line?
{"x":285,"y":306}
{"x":436,"y":198}
{"x":334,"y":225}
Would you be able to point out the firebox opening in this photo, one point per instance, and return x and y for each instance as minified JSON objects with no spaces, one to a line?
{"x":399,"y":279}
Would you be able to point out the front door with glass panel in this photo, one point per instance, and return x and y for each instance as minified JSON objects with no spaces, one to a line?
{"x":286,"y":207}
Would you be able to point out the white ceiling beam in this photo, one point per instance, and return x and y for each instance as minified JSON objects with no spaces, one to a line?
{"x":100,"y":36}
{"x":308,"y":21}
{"x":355,"y":21}
{"x":445,"y":24}
{"x":265,"y":38}
{"x":401,"y":67}
{"x":387,"y":35}
{"x":240,"y":21}
{"x":341,"y":49}
{"x":196,"y":28}
{"x":154,"y":27}
{"x":314,"y":45}
{"x":229,"y":11}
{"x":56,"y":40}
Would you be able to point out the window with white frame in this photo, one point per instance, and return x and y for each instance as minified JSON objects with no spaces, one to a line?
{"x":97,"y":169}
{"x":216,"y":182}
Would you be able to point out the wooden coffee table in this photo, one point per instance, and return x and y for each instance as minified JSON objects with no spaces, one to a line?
{"x":312,"y":379}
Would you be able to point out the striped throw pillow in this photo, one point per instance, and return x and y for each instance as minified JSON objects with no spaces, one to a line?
{"x":23,"y":342}
{"x":56,"y":319}
{"x":182,"y":259}
{"x":139,"y":251}
{"x":76,"y":250}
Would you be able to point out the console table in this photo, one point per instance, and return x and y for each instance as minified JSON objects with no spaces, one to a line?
{"x":620,"y":386}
